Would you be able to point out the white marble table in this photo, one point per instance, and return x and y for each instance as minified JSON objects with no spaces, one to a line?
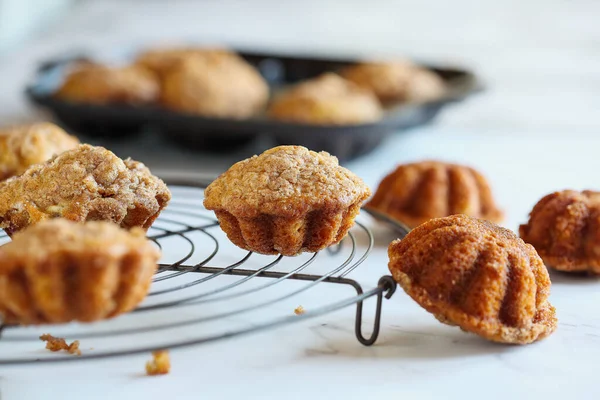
{"x":534,"y":131}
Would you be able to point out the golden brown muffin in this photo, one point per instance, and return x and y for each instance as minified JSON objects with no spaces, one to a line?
{"x":215,"y":86}
{"x":161,"y":60}
{"x":24,"y":145}
{"x":417,"y":192}
{"x":396,"y":81}
{"x":326,"y":100}
{"x":564,"y":228}
{"x":286,"y":200}
{"x":476,"y":275}
{"x":60,"y":271}
{"x":83,"y":184}
{"x":98,"y":84}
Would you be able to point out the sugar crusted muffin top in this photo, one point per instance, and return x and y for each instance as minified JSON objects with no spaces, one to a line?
{"x":285,"y":181}
{"x":63,"y":236}
{"x":24,"y":145}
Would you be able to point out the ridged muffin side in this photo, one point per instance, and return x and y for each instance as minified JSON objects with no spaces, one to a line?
{"x":564,"y":228}
{"x":60,"y":271}
{"x":286,"y":201}
{"x":476,"y":275}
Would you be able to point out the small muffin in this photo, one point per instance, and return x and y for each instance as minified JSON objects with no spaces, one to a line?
{"x":398,"y":81}
{"x":417,"y":192}
{"x":215,"y":86}
{"x":59,"y":271}
{"x":84,"y":184}
{"x":476,"y":275}
{"x":161,"y":60}
{"x":24,"y":145}
{"x":326,"y":100}
{"x":98,"y":84}
{"x":564,"y":228}
{"x":286,"y":201}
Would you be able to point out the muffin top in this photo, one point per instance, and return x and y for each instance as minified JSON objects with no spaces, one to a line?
{"x":326,"y":99}
{"x":286,"y":181}
{"x":24,"y":145}
{"x":161,"y":60}
{"x":217,"y":85}
{"x":100,"y":84}
{"x":60,"y":236}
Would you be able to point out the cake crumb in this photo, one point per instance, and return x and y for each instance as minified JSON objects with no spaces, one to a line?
{"x":58,"y":344}
{"x":160,"y":363}
{"x":299,"y":310}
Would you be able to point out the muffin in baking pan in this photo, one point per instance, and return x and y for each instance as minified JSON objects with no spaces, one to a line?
{"x":286,"y":201}
{"x":83,"y":184}
{"x":60,"y":271}
{"x":101,"y":84}
{"x":416,"y":192}
{"x":217,"y":85}
{"x":477,"y":275}
{"x":161,"y":60}
{"x":22,"y":146}
{"x":396,"y":81}
{"x":326,"y":100}
{"x":564,"y":228}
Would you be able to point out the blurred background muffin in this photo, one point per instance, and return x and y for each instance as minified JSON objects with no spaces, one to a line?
{"x":326,"y":100}
{"x":161,"y":59}
{"x":397,"y":81}
{"x":215,"y":85}
{"x":100,"y":84}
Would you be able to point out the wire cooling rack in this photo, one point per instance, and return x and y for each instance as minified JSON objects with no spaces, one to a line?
{"x":203,"y":281}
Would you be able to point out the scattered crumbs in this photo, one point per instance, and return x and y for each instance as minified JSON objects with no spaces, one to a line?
{"x":58,"y":344}
{"x":299,"y":310}
{"x":160,"y":363}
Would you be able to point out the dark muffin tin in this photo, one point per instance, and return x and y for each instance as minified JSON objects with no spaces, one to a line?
{"x":346,"y":142}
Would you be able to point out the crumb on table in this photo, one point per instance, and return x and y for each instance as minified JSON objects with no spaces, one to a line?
{"x":160,"y":363}
{"x":299,"y":310}
{"x":58,"y":344}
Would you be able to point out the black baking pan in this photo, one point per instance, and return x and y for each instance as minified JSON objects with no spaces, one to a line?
{"x":346,"y":142}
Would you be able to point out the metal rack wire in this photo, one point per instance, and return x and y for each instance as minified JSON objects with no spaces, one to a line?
{"x":191,"y":240}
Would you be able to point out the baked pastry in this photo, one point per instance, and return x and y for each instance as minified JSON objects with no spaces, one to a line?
{"x":161,"y":60}
{"x":396,"y":81}
{"x":215,"y":86}
{"x":83,"y":184}
{"x":417,"y":192}
{"x":476,"y":275}
{"x":326,"y":100}
{"x":24,"y":145}
{"x":99,"y":84}
{"x":60,"y":271}
{"x":286,"y":200}
{"x":564,"y":228}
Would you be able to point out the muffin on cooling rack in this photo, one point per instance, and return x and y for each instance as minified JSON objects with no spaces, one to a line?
{"x":22,"y":146}
{"x":286,"y":200}
{"x":215,"y":85}
{"x":326,"y":100}
{"x":476,"y":275}
{"x":83,"y":184}
{"x":417,"y":192}
{"x":397,"y":81}
{"x":564,"y":228}
{"x":99,"y":84}
{"x":60,"y":271}
{"x":161,"y":60}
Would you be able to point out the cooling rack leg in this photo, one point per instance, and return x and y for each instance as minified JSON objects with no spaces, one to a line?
{"x":388,"y":287}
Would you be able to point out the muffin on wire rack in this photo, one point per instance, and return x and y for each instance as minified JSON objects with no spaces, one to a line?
{"x":83,"y":184}
{"x":477,"y":275}
{"x":60,"y":271}
{"x":286,"y":201}
{"x":22,"y":146}
{"x":564,"y":228}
